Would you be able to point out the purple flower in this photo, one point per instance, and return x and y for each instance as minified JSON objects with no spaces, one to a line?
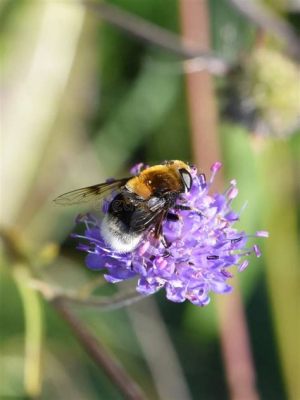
{"x":204,"y":245}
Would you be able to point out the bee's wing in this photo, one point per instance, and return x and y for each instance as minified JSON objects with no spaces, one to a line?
{"x":89,"y":193}
{"x":146,"y":214}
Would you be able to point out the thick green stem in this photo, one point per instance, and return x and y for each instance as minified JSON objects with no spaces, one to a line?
{"x":282,"y":258}
{"x":33,"y":332}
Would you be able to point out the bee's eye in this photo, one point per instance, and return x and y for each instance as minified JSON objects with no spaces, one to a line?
{"x":186,"y":178}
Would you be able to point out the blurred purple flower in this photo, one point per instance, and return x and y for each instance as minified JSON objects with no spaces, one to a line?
{"x":203,"y":247}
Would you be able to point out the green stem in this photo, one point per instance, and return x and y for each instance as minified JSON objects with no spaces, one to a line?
{"x":282,"y":257}
{"x":109,"y":303}
{"x":33,"y":332}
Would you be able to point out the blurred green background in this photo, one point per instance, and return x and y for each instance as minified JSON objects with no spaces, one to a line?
{"x":83,"y":101}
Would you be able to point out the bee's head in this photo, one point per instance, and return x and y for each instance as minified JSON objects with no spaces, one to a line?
{"x":187,"y":179}
{"x":184,"y":171}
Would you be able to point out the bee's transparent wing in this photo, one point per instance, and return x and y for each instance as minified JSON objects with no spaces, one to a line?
{"x":90,"y":193}
{"x":147,"y":213}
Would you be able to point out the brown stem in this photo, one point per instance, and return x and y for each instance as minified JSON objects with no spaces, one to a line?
{"x":127,"y":386}
{"x":236,"y":350}
{"x":200,"y":90}
{"x":203,"y":117}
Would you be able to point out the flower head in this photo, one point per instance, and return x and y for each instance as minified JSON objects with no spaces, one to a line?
{"x":203,"y":245}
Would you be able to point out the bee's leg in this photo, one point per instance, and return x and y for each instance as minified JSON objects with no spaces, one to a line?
{"x":164,"y":242}
{"x":182,"y":207}
{"x":166,"y":254}
{"x":172,"y":217}
{"x":158,"y":224}
{"x":158,"y":233}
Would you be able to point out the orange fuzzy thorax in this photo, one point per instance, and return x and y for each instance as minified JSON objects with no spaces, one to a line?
{"x":159,"y":178}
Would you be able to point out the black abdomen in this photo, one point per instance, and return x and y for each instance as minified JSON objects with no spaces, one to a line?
{"x":122,"y":209}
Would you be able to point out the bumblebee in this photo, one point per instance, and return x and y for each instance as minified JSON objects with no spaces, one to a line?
{"x":138,"y":203}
